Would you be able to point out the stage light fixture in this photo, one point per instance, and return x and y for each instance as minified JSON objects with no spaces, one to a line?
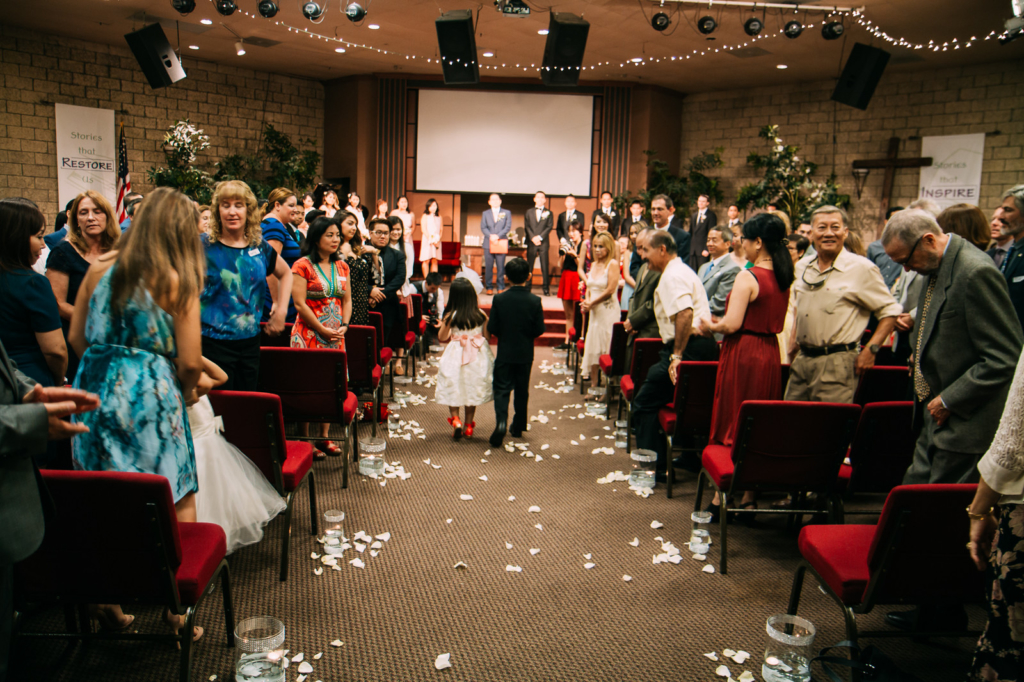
{"x":793,"y":29}
{"x":660,"y":21}
{"x":239,"y":48}
{"x":832,"y":30}
{"x":312,"y":10}
{"x":226,"y":7}
{"x":183,"y":6}
{"x":267,"y":8}
{"x":707,"y":25}
{"x":753,"y":26}
{"x":355,"y":12}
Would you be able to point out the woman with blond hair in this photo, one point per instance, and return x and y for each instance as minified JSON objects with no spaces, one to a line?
{"x":92,"y":232}
{"x":136,"y":328}
{"x":602,"y":283}
{"x":238,"y":262}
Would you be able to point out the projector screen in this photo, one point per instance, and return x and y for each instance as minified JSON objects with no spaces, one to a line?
{"x":507,"y":142}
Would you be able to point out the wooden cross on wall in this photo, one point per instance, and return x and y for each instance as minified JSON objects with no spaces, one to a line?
{"x":890,"y":163}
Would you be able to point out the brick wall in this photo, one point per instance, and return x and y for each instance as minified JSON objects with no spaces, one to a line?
{"x":229,"y":103}
{"x":974,"y":99}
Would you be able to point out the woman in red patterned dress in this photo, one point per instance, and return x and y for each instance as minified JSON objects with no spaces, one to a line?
{"x":323,"y":298}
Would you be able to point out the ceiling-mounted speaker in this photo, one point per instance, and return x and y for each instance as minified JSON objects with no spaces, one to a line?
{"x":863,"y":70}
{"x":563,"y":52}
{"x":457,"y":44}
{"x":153,"y":52}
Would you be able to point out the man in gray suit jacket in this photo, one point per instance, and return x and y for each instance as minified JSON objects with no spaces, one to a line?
{"x":538,"y":226}
{"x":967,"y":343}
{"x":495,"y":224}
{"x":640,"y":321}
{"x":29,"y":416}
{"x":718,"y":274}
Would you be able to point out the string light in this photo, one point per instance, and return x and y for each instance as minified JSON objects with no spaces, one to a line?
{"x":857,"y":16}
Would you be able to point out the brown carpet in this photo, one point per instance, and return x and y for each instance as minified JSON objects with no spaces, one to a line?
{"x":553,"y":621}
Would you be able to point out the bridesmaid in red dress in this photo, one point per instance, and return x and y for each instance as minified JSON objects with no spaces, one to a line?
{"x":749,"y":367}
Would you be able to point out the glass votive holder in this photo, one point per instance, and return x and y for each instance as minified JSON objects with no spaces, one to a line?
{"x":436,"y":348}
{"x":788,"y":653}
{"x":372,"y":465}
{"x":699,"y":548}
{"x":597,"y":408}
{"x":403,"y":380}
{"x":701,"y":517}
{"x":334,"y":531}
{"x":372,"y":444}
{"x":259,"y":642}
{"x":394,"y":421}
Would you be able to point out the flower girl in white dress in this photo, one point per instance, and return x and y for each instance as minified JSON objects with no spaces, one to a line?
{"x":466,"y":369}
{"x":233,"y":493}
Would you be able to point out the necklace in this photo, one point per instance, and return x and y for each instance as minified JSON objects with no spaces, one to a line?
{"x":331,"y":290}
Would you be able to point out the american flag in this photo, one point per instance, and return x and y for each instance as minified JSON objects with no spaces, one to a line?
{"x":124,"y":180}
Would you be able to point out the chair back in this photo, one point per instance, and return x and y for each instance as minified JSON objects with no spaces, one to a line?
{"x":113,"y":539}
{"x":883,"y":447}
{"x":646,"y":354}
{"x":254,"y":423}
{"x":398,"y":331}
{"x":377,"y":322}
{"x":282,"y":340}
{"x":417,"y":311}
{"x":695,"y":395}
{"x":617,"y":349}
{"x":361,"y":349}
{"x":913,"y":558}
{"x":883,"y":384}
{"x":312,"y":383}
{"x":451,"y":251}
{"x":769,"y":454}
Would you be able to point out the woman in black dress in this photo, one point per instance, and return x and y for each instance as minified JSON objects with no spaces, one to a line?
{"x":356,"y":257}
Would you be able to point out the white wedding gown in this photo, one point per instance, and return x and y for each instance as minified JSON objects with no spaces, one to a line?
{"x":233,"y":493}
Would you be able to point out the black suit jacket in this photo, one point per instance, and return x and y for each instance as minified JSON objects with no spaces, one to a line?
{"x":393,"y":262}
{"x":562,"y":226}
{"x":536,"y":227}
{"x":699,"y":237}
{"x":1013,"y":269}
{"x":613,"y":220}
{"x":517,"y":318}
{"x":627,"y":222}
{"x":682,"y":240}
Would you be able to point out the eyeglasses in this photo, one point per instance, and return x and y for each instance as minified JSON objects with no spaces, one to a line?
{"x":382,"y":234}
{"x":818,"y":283}
{"x":911,"y":254}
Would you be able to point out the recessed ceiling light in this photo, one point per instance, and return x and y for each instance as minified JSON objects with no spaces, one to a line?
{"x":543,"y":32}
{"x":206,"y":21}
{"x":373,"y":27}
{"x":339,"y":50}
{"x":193,"y":47}
{"x":781,"y":66}
{"x":488,"y":54}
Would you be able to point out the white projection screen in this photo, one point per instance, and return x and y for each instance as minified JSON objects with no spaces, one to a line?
{"x":508,"y":142}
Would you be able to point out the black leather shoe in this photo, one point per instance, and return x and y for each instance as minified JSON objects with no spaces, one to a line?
{"x":515,"y":432}
{"x":547,"y":293}
{"x":935,"y":619}
{"x":562,"y":346}
{"x":687,"y":463}
{"x":498,"y":436}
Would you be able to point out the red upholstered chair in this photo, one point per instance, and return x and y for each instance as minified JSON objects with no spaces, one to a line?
{"x":883,"y":384}
{"x":767,"y":458}
{"x":364,"y":374}
{"x":384,"y":354}
{"x":688,"y":416}
{"x":908,"y":558}
{"x":403,"y":338}
{"x":122,"y":534}
{"x":611,"y":363}
{"x":451,"y":255}
{"x":645,"y":355}
{"x":417,"y":324}
{"x":882,"y":448}
{"x":254,"y":423}
{"x":282,"y":340}
{"x":579,"y":343}
{"x":312,"y":384}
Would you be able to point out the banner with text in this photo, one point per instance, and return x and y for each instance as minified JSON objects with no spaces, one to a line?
{"x":955,"y":174}
{"x":86,"y":152}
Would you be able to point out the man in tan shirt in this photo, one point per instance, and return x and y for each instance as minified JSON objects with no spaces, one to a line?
{"x":834,"y":295}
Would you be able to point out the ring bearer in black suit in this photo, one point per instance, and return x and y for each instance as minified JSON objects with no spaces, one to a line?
{"x":610,"y":214}
{"x":517,"y":319}
{"x":538,"y":226}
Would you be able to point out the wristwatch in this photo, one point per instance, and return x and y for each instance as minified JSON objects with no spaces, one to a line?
{"x":874,"y":348}
{"x":676,"y":357}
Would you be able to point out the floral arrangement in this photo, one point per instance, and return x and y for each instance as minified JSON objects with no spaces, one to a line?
{"x":787,"y":182}
{"x":182,"y":144}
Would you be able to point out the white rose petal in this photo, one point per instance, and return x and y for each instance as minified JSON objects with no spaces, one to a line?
{"x":443,"y":661}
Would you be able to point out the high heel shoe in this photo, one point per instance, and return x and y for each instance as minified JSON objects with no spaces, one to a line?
{"x":469,"y":429}
{"x":107,"y":623}
{"x":714,"y":510}
{"x":177,"y":622}
{"x":457,"y":425}
{"x":328,"y":447}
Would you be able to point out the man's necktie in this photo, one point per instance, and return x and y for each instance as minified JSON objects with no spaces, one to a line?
{"x":921,"y":387}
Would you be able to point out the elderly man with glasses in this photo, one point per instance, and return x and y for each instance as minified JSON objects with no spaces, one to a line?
{"x":834,"y":295}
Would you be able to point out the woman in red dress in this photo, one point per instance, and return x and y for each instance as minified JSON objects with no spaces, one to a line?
{"x":323,"y":298}
{"x":749,"y":367}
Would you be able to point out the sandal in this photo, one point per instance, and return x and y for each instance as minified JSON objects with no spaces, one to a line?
{"x":469,"y":429}
{"x":176,"y":623}
{"x":457,"y":425}
{"x":329,"y":447}
{"x":102,"y":617}
{"x":715,"y":510}
{"x":749,"y":520}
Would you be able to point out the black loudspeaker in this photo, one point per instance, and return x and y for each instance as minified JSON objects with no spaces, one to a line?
{"x":563,"y":53}
{"x":457,"y":44}
{"x":154,"y":54}
{"x":860,"y":76}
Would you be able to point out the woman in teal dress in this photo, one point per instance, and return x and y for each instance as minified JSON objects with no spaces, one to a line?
{"x":136,"y":328}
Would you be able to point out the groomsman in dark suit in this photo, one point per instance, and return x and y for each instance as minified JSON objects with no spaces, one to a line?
{"x":517,"y":319}
{"x":570,"y":214}
{"x":701,"y":221}
{"x":637,"y":208}
{"x":538,"y":227}
{"x":661,"y":212}
{"x":384,"y":297}
{"x":495,"y":224}
{"x":611,"y":215}
{"x":733,"y":221}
